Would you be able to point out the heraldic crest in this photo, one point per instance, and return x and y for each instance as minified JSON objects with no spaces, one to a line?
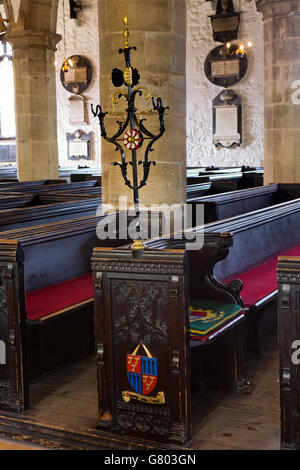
{"x":142,"y":373}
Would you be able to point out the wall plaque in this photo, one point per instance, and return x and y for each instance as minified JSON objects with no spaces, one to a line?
{"x":225,"y":23}
{"x":227,"y":119}
{"x":77,"y":110}
{"x":225,"y":68}
{"x":79,"y":76}
{"x":79,"y":145}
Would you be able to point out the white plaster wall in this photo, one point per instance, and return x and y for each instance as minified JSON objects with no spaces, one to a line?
{"x":201,"y":92}
{"x":80,"y":40}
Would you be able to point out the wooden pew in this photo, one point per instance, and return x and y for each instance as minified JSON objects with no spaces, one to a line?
{"x":244,"y":177}
{"x":45,"y":208}
{"x":289,"y":341}
{"x":229,"y":204}
{"x":85,"y":177}
{"x":66,"y":172}
{"x":13,"y":184}
{"x":39,"y":188}
{"x":231,"y":176}
{"x":147,"y":326}
{"x":8,"y":200}
{"x":259,"y":237}
{"x":153,"y":290}
{"x":203,"y":189}
{"x":78,"y":191}
{"x":46,"y":307}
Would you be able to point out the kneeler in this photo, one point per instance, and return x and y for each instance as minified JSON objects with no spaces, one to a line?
{"x":209,"y":318}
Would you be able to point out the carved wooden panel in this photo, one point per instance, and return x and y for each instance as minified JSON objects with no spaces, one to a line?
{"x":13,"y":391}
{"x":143,"y":370}
{"x":289,"y":350}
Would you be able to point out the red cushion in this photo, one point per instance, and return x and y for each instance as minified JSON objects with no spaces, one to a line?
{"x":262,"y":280}
{"x":48,"y":300}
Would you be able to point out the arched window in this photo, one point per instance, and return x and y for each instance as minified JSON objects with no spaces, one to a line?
{"x":7,"y":104}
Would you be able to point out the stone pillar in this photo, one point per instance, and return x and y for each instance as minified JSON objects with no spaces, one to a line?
{"x":282,"y":72}
{"x":35,"y":103}
{"x":157,"y":29}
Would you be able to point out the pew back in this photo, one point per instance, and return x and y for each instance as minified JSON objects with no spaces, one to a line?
{"x":42,"y":209}
{"x":229,"y":204}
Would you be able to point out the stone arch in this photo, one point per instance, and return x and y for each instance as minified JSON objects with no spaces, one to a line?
{"x":32,"y":34}
{"x":40,"y":15}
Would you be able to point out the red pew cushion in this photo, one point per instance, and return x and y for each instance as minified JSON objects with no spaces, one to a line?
{"x":209,"y":317}
{"x":262,"y":280}
{"x":42,"y":302}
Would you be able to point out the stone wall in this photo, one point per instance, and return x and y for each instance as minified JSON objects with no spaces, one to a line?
{"x":201,"y":92}
{"x":80,"y":40}
{"x":158,"y":30}
{"x":282,"y":90}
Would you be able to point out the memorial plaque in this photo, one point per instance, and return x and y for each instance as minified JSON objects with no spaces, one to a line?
{"x":77,"y":114}
{"x":225,"y":68}
{"x":79,"y":76}
{"x":226,"y":132}
{"x":225,"y":24}
{"x":79,"y":145}
{"x":227,"y":119}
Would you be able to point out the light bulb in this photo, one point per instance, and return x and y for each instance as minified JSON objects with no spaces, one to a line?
{"x":65,"y":66}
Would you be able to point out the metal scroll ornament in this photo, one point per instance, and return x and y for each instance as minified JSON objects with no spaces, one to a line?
{"x":132,"y":134}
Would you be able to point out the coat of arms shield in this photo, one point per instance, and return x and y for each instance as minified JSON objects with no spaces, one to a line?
{"x":142,"y":372}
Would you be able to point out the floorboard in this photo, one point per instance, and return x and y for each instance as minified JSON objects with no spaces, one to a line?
{"x":221,"y":420}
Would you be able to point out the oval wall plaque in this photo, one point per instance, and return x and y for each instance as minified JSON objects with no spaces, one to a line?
{"x":224,"y":68}
{"x":79,"y":76}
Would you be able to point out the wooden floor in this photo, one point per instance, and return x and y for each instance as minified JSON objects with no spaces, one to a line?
{"x":242,"y":422}
{"x":11,"y":445}
{"x":67,"y":399}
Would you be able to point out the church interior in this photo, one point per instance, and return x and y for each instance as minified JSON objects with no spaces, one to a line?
{"x":149,"y":246}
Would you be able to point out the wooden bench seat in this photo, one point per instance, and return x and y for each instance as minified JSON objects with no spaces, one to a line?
{"x":260,"y":282}
{"x":43,"y":302}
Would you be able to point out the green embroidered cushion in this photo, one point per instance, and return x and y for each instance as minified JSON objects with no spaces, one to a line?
{"x":208,"y":317}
